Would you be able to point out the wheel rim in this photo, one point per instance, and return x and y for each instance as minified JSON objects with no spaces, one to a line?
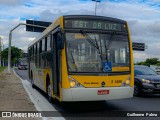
{"x":136,"y":90}
{"x":49,"y":92}
{"x":32,"y":81}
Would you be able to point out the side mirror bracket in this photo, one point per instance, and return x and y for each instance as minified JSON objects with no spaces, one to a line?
{"x":60,"y":39}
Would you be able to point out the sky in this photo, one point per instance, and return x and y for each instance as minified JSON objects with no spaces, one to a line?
{"x":143,"y":17}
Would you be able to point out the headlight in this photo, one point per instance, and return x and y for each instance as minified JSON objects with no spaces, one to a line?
{"x":126,"y":82}
{"x":74,"y":83}
{"x":146,"y":81}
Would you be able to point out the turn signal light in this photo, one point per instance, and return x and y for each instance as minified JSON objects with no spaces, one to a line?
{"x":72,"y":83}
{"x":126,"y":82}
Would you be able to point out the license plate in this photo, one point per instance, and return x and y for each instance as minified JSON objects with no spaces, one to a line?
{"x":102,"y":92}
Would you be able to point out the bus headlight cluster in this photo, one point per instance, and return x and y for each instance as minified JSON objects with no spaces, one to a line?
{"x":126,"y":83}
{"x":74,"y":83}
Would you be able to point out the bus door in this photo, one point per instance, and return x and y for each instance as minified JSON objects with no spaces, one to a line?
{"x":56,"y":65}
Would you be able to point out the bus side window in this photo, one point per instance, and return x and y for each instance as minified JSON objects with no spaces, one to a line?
{"x":37,"y":56}
{"x":40,"y":47}
{"x":32,"y":53}
{"x":29,"y":55}
{"x":45,"y":43}
{"x":42,"y":56}
{"x":48,"y":54}
{"x":49,"y":43}
{"x":29,"y":52}
{"x":35,"y":49}
{"x":45,"y":54}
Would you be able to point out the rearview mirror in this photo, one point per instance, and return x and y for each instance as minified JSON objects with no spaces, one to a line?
{"x":60,"y":41}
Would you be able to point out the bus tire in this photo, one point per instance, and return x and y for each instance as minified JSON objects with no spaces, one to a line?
{"x":32,"y":81}
{"x":49,"y":90}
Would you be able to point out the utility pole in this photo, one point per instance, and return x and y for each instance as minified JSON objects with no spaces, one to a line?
{"x":0,"y":51}
{"x":10,"y":39}
{"x":96,"y":5}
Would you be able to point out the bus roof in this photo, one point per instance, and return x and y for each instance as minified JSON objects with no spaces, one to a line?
{"x":94,"y":17}
{"x":59,"y":21}
{"x":48,"y":29}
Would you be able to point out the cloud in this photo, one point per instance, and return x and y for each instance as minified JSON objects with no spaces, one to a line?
{"x":155,"y":27}
{"x":143,"y":18}
{"x":11,"y":2}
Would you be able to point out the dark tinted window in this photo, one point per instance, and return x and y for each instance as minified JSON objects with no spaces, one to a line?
{"x":144,"y":70}
{"x":33,"y":50}
{"x":43,"y":45}
{"x":49,"y":43}
{"x":40,"y":47}
{"x":37,"y":48}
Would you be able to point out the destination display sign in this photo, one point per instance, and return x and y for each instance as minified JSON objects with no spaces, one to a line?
{"x":95,"y":24}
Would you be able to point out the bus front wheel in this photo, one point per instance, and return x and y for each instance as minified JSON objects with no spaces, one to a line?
{"x":49,"y":93}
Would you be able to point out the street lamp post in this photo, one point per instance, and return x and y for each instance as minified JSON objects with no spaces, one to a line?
{"x":0,"y":50}
{"x":10,"y":39}
{"x":96,"y":4}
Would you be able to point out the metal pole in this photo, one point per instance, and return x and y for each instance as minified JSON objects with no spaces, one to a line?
{"x":9,"y":52}
{"x":96,"y":5}
{"x":95,"y":8}
{"x":3,"y":58}
{"x":0,"y":50}
{"x":10,"y":39}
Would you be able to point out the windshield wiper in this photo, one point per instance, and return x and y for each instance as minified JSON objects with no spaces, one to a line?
{"x":110,"y":40}
{"x":89,"y":39}
{"x":92,"y":42}
{"x":73,"y":60}
{"x":109,"y":44}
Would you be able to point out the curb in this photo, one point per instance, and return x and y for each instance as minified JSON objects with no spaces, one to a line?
{"x":30,"y":95}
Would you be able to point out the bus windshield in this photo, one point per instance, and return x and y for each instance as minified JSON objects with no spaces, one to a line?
{"x":93,"y":53}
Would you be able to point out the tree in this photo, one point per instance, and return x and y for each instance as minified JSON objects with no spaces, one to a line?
{"x":150,"y":61}
{"x":16,"y":53}
{"x":158,"y":64}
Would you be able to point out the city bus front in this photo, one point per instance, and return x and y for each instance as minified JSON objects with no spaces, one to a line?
{"x":98,"y":61}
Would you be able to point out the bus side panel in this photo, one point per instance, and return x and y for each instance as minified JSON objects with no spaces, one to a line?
{"x":131,"y":58}
{"x":65,"y":81}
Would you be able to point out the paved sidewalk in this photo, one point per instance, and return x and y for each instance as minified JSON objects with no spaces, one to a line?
{"x":13,"y":96}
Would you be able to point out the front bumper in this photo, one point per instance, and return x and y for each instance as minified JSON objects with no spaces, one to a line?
{"x":90,"y":94}
{"x":150,"y":88}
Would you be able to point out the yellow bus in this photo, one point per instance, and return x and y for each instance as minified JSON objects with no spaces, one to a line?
{"x":83,"y":58}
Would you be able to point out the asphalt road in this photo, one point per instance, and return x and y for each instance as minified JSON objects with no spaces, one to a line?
{"x":98,"y":110}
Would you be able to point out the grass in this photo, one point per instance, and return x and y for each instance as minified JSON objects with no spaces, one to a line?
{"x":2,"y":69}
